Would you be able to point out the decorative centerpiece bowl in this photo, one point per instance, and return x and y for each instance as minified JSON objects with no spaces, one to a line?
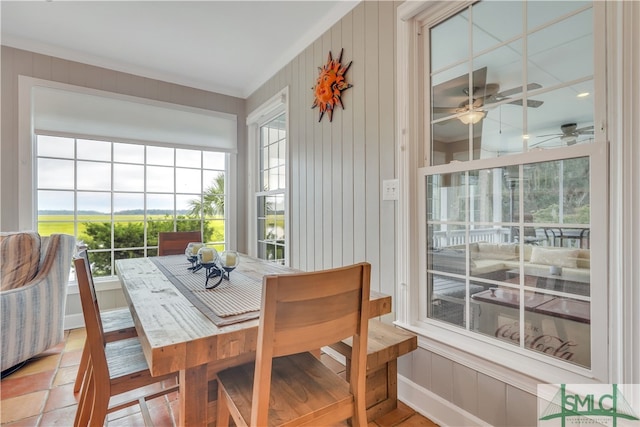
{"x":192,"y":255}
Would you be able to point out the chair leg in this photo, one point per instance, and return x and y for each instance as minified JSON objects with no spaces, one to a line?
{"x":100,"y":406}
{"x":85,"y":405}
{"x":82,"y":368}
{"x":223,"y":408}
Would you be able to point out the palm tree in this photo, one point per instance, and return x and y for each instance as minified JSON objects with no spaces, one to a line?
{"x":212,"y":202}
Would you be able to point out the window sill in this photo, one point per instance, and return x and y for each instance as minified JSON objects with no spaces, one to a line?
{"x":102,"y":284}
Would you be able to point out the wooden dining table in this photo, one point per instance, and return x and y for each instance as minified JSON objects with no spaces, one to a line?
{"x":178,"y":336}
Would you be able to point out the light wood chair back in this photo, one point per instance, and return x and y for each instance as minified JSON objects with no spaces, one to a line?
{"x":301,"y":313}
{"x":175,"y":242}
{"x":113,"y":368}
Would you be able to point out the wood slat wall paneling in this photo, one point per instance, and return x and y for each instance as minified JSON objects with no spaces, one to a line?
{"x":372,"y":138}
{"x":293,"y":166}
{"x":359,"y":178}
{"x":326,"y":173}
{"x":337,"y":141}
{"x":309,"y":139}
{"x":316,"y":171}
{"x":337,"y":213}
{"x":347,"y":146}
{"x":387,"y":84}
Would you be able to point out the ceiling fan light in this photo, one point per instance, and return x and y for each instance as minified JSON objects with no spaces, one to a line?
{"x":472,"y":117}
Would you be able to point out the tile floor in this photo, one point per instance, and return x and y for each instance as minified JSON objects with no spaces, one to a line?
{"x":41,"y":394}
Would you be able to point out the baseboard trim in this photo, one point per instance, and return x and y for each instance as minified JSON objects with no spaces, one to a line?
{"x":434,"y":407}
{"x":73,"y":321}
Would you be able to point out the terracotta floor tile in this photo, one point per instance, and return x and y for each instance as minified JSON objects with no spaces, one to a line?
{"x":59,"y":417}
{"x":71,"y":358}
{"x":38,"y":364}
{"x":26,"y":422}
{"x":65,"y":375}
{"x":15,"y":386}
{"x":161,"y":415}
{"x":24,"y":406}
{"x":76,"y":340}
{"x":128,"y":421}
{"x":41,"y":394}
{"x":61,"y":397}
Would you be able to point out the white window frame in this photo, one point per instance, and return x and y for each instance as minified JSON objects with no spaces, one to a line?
{"x":472,"y":351}
{"x":276,"y":105}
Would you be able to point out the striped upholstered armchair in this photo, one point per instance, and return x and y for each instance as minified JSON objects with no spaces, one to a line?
{"x":33,"y":293}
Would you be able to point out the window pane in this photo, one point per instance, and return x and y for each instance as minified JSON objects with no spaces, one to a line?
{"x":94,"y":150}
{"x":159,"y":179}
{"x":160,"y":156}
{"x":55,"y":201}
{"x":94,"y":203}
{"x":564,"y":119}
{"x":216,"y":227}
{"x":486,"y":33}
{"x":123,"y":202}
{"x":541,"y":12}
{"x":561,"y":52}
{"x":94,"y":176}
{"x":128,"y":177}
{"x":450,"y":41}
{"x":188,"y":158}
{"x":55,"y":146}
{"x":446,"y":197}
{"x":188,"y":181}
{"x":214,"y":160}
{"x":160,"y":204}
{"x":55,"y":174}
{"x":128,"y":153}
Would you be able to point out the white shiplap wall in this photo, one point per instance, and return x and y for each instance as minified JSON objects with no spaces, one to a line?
{"x":336,"y":168}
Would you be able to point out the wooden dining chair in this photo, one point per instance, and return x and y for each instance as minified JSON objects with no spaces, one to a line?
{"x":175,"y":242}
{"x":113,"y":368}
{"x":117,"y":325}
{"x":287,"y":384}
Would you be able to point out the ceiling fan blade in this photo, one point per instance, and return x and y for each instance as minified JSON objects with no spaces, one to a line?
{"x":585,"y":129}
{"x":550,"y":134}
{"x":542,"y":142}
{"x":532,"y":103}
{"x":444,"y":110}
{"x":513,"y":91}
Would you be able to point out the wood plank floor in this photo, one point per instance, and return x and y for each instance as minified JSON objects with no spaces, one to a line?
{"x":41,"y":394}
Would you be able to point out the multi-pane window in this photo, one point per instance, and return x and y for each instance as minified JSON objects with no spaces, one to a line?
{"x":116,"y":197}
{"x":509,"y":186}
{"x":271,"y":191}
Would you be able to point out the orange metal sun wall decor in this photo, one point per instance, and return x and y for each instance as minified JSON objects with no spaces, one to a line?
{"x":329,"y":86}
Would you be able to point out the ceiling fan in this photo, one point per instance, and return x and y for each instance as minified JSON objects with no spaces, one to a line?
{"x":569,"y":135}
{"x":488,"y":94}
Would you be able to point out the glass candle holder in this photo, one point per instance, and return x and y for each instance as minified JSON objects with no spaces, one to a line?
{"x":191,"y":252}
{"x":229,"y":260}
{"x":207,"y":256}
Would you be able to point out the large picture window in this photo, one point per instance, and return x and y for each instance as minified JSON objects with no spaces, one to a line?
{"x":116,"y":196}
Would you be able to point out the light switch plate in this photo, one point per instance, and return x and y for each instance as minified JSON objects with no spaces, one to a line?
{"x":390,"y":189}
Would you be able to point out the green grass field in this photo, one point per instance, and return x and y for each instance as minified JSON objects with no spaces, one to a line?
{"x":49,"y":224}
